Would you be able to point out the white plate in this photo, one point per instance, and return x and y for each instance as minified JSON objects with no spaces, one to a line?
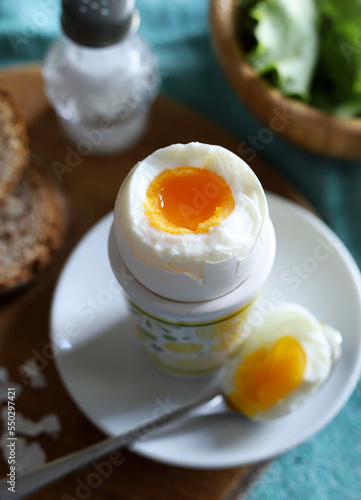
{"x":117,"y":388}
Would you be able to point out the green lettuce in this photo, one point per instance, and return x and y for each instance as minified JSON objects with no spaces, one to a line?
{"x":310,"y":49}
{"x":286,"y":47}
{"x":337,"y":79}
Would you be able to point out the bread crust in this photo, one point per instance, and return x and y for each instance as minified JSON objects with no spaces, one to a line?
{"x":14,"y":144}
{"x":32,"y":227}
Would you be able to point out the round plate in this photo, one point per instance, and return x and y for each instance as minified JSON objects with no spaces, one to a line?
{"x":117,"y":388}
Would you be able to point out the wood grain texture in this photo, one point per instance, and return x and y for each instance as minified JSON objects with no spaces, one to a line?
{"x":301,"y":124}
{"x":91,"y":187}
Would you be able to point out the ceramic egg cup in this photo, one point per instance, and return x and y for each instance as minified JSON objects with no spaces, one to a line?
{"x":193,"y":338}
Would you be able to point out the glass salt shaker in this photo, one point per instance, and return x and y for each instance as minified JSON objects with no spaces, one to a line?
{"x":100,"y":76}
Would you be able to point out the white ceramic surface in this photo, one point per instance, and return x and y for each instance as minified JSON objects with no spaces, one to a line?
{"x":115,"y":385}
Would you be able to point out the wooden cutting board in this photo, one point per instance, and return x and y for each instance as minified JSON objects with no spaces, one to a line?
{"x":91,"y":184}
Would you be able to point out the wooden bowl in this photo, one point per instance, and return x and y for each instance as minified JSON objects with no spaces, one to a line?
{"x":300,"y":123}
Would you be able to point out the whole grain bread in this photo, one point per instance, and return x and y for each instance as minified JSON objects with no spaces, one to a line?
{"x":14,"y":149}
{"x":32,"y":226}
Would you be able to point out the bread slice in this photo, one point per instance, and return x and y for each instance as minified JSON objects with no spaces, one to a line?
{"x":32,"y":227}
{"x":14,"y":149}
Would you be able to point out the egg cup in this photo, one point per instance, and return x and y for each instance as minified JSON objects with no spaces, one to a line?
{"x":193,"y":338}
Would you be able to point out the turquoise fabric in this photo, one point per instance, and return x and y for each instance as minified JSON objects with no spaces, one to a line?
{"x":327,"y":466}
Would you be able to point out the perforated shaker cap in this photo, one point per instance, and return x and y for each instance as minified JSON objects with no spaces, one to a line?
{"x":98,"y":23}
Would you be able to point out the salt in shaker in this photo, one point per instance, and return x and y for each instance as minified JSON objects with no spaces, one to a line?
{"x":100,"y":76}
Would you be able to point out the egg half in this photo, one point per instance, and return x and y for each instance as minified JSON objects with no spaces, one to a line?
{"x":190,"y":221}
{"x":283,"y":361}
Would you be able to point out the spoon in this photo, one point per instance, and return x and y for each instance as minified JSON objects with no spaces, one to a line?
{"x":35,"y":478}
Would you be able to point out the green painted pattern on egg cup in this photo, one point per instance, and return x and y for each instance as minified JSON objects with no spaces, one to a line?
{"x":190,"y":347}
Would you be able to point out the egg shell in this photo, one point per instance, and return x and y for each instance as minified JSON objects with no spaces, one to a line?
{"x":200,"y":310}
{"x":220,"y":278}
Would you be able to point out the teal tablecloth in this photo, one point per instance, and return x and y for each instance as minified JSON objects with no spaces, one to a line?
{"x":328,"y":466}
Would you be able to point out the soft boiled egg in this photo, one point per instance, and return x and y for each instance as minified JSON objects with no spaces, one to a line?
{"x":281,"y":363}
{"x":190,"y":221}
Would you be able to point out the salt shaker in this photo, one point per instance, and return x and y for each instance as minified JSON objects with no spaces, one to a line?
{"x":100,"y":76}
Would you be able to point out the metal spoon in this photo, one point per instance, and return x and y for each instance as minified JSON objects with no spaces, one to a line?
{"x":37,"y":477}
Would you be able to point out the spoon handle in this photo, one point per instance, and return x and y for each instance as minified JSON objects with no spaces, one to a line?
{"x":33,"y":479}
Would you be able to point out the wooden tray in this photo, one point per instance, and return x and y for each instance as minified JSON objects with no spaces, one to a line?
{"x":91,"y":187}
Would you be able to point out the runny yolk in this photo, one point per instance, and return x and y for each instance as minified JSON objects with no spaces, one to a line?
{"x":187,"y":199}
{"x":267,"y":375}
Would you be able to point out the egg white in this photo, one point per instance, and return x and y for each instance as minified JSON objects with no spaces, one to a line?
{"x":315,"y":338}
{"x":232,"y":240}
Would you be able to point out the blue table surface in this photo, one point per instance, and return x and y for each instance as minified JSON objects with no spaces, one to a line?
{"x":327,"y":466}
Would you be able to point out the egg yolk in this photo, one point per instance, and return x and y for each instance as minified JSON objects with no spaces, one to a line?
{"x":267,"y":375}
{"x":187,"y":199}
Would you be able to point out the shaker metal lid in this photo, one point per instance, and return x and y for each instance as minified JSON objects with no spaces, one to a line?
{"x":98,"y":23}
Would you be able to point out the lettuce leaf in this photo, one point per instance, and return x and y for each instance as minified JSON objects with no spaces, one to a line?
{"x":310,"y":49}
{"x":287,"y":43}
{"x":337,"y":81}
